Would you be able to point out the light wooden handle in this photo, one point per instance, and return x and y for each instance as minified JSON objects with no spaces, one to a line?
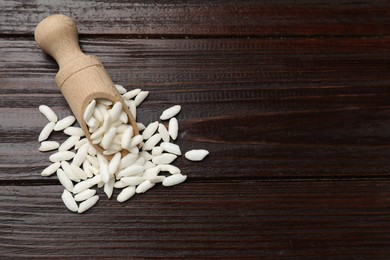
{"x":57,"y":36}
{"x":81,"y":78}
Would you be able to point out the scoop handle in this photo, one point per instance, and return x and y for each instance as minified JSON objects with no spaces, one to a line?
{"x":57,"y":36}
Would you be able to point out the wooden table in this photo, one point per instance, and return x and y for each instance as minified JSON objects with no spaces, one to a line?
{"x":291,"y":98}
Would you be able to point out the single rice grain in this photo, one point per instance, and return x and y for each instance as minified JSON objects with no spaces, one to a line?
{"x":64,"y":123}
{"x":162,"y":130}
{"x":144,"y":186}
{"x":114,"y":163}
{"x":132,"y":108}
{"x":61,"y":156}
{"x":123,"y":117}
{"x":46,"y":131}
{"x":84,"y":195}
{"x":165,"y":158}
{"x":126,"y":138}
{"x":132,"y":93}
{"x":69,"y":201}
{"x":170,"y":112}
{"x":64,"y":180}
{"x":109,"y":187}
{"x":157,"y":150}
{"x":196,"y":155}
{"x":104,"y":172}
{"x":170,"y":148}
{"x":115,"y":111}
{"x":126,"y":194}
{"x":140,"y":126}
{"x":120,"y":89}
{"x":69,"y":143}
{"x":127,"y":160}
{"x":105,"y":102}
{"x":80,"y":143}
{"x":151,"y":142}
{"x":84,"y":185}
{"x":108,"y":137}
{"x":74,"y":130}
{"x":48,"y":146}
{"x":48,"y":113}
{"x":89,"y":110}
{"x":157,"y":179}
{"x":169,"y":168}
{"x":89,"y":203}
{"x":131,"y":170}
{"x":173,"y":128}
{"x":140,"y":97}
{"x":150,"y":130}
{"x":52,"y":168}
{"x":174,"y":179}
{"x":132,"y":181}
{"x":106,"y":122}
{"x":136,"y":140}
{"x":119,"y":185}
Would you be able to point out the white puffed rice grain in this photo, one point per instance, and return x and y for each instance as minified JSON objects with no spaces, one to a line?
{"x":52,"y":168}
{"x":157,"y":179}
{"x":174,"y":179}
{"x":169,"y":168}
{"x":69,"y":143}
{"x":162,"y":130}
{"x":64,"y":180}
{"x":196,"y":155}
{"x":109,"y":187}
{"x":89,"y":110}
{"x":114,"y":163}
{"x":144,"y":186}
{"x":170,"y":148}
{"x":64,"y":123}
{"x":132,"y":93}
{"x":86,"y":205}
{"x":69,"y":201}
{"x":74,"y":130}
{"x":48,"y":113}
{"x":150,"y":130}
{"x":132,"y":180}
{"x":48,"y":146}
{"x":173,"y":128}
{"x":126,"y":194}
{"x":151,"y":142}
{"x":165,"y":158}
{"x":140,"y":97}
{"x":170,"y":112}
{"x":120,"y":89}
{"x":84,"y":195}
{"x":61,"y":156}
{"x":46,"y":131}
{"x":131,"y":170}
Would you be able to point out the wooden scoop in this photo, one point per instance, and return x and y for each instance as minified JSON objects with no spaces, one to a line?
{"x":81,"y":78}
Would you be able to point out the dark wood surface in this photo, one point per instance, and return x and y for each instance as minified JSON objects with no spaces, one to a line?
{"x":291,"y":98}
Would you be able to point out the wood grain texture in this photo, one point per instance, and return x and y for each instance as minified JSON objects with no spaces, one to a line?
{"x":291,"y":98}
{"x":204,"y":220}
{"x":204,"y":17}
{"x":302,"y":108}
